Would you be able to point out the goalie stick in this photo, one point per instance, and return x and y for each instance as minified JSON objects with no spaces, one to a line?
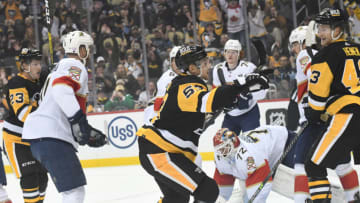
{"x":273,"y":169}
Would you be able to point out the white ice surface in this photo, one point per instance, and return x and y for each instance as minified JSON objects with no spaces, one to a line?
{"x":123,"y":184}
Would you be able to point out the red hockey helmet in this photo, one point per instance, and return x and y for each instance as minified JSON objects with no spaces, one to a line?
{"x":225,"y":142}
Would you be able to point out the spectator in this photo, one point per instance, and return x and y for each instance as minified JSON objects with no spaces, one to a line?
{"x":209,"y":13}
{"x":143,"y":99}
{"x":182,"y":17}
{"x":12,"y":11}
{"x":275,"y":56}
{"x":69,"y":26}
{"x":123,"y":77}
{"x":276,"y":25}
{"x":154,"y":64}
{"x":132,"y":66}
{"x":119,"y":100}
{"x":256,"y":24}
{"x":235,"y":20}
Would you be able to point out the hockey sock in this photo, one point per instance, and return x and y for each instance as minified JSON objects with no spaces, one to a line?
{"x":320,"y":190}
{"x":30,"y":187}
{"x":301,"y":187}
{"x":225,"y":183}
{"x":3,"y":194}
{"x":76,"y":195}
{"x":349,"y":180}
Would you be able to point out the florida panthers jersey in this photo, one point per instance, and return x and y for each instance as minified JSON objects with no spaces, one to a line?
{"x":63,"y":94}
{"x":161,"y":86}
{"x":243,"y":68}
{"x":303,"y":72}
{"x":258,"y":152}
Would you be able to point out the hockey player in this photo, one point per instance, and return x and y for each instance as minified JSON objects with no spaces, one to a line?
{"x":334,"y":91}
{"x":22,"y":95}
{"x":303,"y":61}
{"x":242,"y":116}
{"x":251,"y":155}
{"x":167,"y":147}
{"x":59,"y":124}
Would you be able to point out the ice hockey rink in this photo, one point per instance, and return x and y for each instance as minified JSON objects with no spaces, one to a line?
{"x":123,"y":184}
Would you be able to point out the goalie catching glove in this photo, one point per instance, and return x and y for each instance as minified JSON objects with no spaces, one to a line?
{"x":85,"y":134}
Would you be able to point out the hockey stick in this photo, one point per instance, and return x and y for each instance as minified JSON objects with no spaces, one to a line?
{"x":273,"y":169}
{"x":106,"y":132}
{"x":48,"y":23}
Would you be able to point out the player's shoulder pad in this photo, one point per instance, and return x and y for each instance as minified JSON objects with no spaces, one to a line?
{"x":247,"y":64}
{"x":16,"y":82}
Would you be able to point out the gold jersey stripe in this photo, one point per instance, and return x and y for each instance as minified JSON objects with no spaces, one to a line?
{"x":154,"y":138}
{"x":320,"y":80}
{"x":210,"y":100}
{"x":342,"y":102}
{"x":163,"y":163}
{"x":318,"y":182}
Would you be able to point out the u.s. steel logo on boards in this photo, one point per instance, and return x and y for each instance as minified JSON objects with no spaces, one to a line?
{"x":122,"y":132}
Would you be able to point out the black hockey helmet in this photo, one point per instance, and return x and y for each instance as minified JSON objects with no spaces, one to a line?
{"x":188,"y":55}
{"x":28,"y":54}
{"x":332,"y":17}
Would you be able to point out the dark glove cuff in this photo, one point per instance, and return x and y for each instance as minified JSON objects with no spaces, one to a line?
{"x":76,"y":117}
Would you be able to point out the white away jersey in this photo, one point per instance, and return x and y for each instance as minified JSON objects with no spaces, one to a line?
{"x":303,"y":72}
{"x":258,"y":152}
{"x":161,"y":86}
{"x":63,"y":94}
{"x":243,"y":67}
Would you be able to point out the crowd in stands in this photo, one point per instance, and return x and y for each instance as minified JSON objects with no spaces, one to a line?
{"x":115,"y":25}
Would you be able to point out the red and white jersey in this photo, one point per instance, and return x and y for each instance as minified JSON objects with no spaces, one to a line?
{"x":303,"y":73}
{"x":243,"y":68}
{"x":161,"y":85}
{"x":63,"y":94}
{"x":258,"y":152}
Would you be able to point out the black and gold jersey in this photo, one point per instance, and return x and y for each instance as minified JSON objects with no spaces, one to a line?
{"x":20,"y":95}
{"x":178,"y":124}
{"x":334,"y":84}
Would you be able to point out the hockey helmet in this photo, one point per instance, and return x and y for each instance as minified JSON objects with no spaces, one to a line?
{"x":74,"y":40}
{"x":232,"y":44}
{"x":188,"y":55}
{"x":332,"y":17}
{"x":225,"y":142}
{"x":173,"y":52}
{"x":298,"y":35}
{"x":27,"y":54}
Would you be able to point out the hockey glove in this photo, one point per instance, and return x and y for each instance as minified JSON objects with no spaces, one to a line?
{"x":97,"y":138}
{"x":252,"y":82}
{"x":80,"y":127}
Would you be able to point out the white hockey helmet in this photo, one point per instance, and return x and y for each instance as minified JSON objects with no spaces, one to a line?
{"x":173,"y":52}
{"x":232,"y":44}
{"x":298,"y":35}
{"x":74,"y":40}
{"x":225,"y":143}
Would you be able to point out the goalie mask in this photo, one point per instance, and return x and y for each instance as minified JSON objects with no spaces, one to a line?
{"x":76,"y":39}
{"x":225,"y":143}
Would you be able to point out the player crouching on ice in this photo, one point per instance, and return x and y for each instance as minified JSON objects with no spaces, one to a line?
{"x":250,"y":156}
{"x":59,"y":124}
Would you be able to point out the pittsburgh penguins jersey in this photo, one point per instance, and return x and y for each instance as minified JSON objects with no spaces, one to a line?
{"x":63,"y":94}
{"x":178,"y":124}
{"x":243,"y":67}
{"x":21,"y":95}
{"x":303,"y":62}
{"x":334,"y":83}
{"x":257,"y":153}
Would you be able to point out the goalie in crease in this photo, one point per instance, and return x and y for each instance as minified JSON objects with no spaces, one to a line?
{"x":250,"y":156}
